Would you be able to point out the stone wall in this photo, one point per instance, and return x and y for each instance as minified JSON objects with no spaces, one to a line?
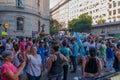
{"x":31,"y":14}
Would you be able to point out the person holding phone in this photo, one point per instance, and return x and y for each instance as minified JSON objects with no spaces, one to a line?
{"x":9,"y":71}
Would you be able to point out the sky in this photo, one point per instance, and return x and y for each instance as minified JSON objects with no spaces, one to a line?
{"x":53,"y":2}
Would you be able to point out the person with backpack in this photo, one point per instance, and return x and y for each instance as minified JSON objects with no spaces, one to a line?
{"x":91,"y":66}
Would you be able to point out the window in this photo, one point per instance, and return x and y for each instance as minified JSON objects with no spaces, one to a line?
{"x":114,"y":4}
{"x":110,"y":0}
{"x":20,"y":23}
{"x":110,"y":6}
{"x":110,"y":13}
{"x":20,"y":3}
{"x":114,"y":12}
{"x":118,"y":11}
{"x":118,"y":3}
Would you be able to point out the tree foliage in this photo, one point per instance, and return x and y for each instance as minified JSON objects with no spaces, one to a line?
{"x":55,"y":26}
{"x":80,"y":24}
{"x":101,"y":21}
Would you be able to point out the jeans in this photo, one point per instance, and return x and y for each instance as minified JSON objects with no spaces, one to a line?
{"x":65,"y":68}
{"x":33,"y":77}
{"x":74,"y":62}
{"x":109,"y":63}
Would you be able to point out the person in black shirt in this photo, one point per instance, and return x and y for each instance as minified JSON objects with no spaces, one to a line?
{"x":91,"y":66}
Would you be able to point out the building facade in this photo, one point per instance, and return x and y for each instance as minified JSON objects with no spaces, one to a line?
{"x":61,"y":12}
{"x":25,"y":17}
{"x":108,"y":10}
{"x":108,"y":29}
{"x":114,"y":10}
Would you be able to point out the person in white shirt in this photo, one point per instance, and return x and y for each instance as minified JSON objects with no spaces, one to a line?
{"x":34,"y":67}
{"x":9,"y":45}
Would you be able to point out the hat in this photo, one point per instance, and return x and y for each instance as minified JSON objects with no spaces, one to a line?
{"x":41,"y":41}
{"x":6,"y":54}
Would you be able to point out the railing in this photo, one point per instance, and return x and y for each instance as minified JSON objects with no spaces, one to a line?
{"x":111,"y":76}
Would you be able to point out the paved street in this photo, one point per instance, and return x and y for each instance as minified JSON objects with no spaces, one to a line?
{"x":72,"y":76}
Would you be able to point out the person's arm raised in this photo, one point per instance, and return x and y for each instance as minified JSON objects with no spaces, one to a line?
{"x":12,"y":76}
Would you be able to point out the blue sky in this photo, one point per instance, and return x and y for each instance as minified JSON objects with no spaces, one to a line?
{"x":53,"y":2}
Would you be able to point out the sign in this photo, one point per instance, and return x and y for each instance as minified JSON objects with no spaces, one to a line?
{"x":6,"y":25}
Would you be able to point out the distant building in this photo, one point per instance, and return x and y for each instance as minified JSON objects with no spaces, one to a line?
{"x":66,"y":10}
{"x":25,"y":17}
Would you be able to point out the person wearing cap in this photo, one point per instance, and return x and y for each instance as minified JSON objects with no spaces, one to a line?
{"x":9,"y":71}
{"x":42,"y":52}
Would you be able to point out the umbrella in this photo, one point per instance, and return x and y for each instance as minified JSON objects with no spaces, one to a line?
{"x":2,"y":33}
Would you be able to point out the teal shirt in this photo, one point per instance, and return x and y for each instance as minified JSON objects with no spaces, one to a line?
{"x":65,"y":51}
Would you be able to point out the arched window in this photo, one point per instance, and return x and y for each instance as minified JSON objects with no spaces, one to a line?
{"x":20,"y":23}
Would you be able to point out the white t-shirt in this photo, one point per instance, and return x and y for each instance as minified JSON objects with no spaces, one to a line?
{"x":33,"y":67}
{"x":85,"y":44}
{"x":9,"y":46}
{"x":92,"y":45}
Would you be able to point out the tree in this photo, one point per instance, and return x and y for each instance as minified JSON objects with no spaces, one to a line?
{"x":101,"y":21}
{"x":83,"y":23}
{"x":55,"y":26}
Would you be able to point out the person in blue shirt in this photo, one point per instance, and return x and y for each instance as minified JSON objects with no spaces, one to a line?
{"x":42,"y":52}
{"x":74,"y":55}
{"x":109,"y":56}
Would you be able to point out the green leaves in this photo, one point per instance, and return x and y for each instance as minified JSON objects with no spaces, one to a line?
{"x":55,"y":26}
{"x":101,"y":21}
{"x":80,"y":24}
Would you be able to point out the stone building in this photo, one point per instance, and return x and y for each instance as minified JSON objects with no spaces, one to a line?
{"x":25,"y":16}
{"x":107,"y":29}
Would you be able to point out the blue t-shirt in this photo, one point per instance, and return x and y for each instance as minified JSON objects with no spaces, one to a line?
{"x":75,"y":49}
{"x":109,"y":53}
{"x":42,"y":52}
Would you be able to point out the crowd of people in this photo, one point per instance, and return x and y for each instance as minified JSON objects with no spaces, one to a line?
{"x":51,"y":57}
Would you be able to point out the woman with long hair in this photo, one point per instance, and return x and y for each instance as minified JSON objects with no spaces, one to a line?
{"x":91,"y":66}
